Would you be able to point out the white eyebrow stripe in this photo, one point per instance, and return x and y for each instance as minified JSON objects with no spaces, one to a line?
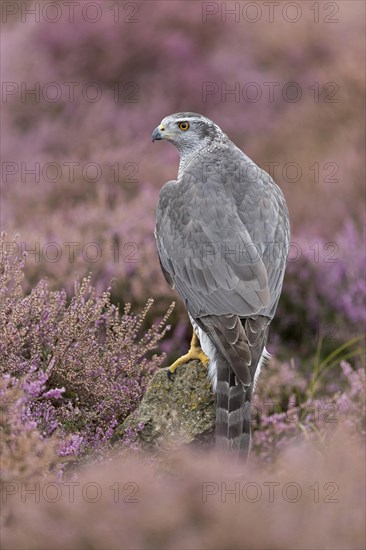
{"x":190,"y":119}
{"x":178,"y":120}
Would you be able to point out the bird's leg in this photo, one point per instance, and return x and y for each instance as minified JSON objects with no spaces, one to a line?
{"x":195,"y":352}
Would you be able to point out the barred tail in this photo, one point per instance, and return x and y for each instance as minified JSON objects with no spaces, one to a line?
{"x":236,"y":354}
{"x":232,"y":419}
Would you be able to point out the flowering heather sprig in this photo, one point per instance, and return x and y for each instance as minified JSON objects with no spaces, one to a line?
{"x":83,"y":365}
{"x":283,"y":412}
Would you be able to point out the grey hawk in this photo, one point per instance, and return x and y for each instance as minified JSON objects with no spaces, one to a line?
{"x":222,"y":234}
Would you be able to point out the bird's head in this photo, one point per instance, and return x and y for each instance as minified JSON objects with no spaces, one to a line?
{"x":187,"y":131}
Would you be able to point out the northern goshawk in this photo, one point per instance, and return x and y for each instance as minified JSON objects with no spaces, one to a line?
{"x":222,"y":234}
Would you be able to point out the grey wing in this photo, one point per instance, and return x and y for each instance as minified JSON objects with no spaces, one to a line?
{"x":167,"y":277}
{"x":263,"y":211}
{"x":207,"y":251}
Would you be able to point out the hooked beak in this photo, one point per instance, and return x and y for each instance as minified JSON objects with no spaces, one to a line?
{"x":158,"y":133}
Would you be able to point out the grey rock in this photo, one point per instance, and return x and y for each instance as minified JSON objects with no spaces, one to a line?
{"x":176,"y":411}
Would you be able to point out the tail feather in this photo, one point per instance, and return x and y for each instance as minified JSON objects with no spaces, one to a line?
{"x":235,"y":416}
{"x":233,"y":409}
{"x":222,"y":415}
{"x":229,"y":408}
{"x":238,"y":348}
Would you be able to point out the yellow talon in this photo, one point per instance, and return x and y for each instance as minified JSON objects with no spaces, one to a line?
{"x":195,"y":352}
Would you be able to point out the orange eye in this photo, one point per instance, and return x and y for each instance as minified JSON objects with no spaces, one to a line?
{"x":184,"y":126}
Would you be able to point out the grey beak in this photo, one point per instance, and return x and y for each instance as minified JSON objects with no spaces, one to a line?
{"x":156,"y":135}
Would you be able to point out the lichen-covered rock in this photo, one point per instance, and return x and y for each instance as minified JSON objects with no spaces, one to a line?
{"x":176,"y":411}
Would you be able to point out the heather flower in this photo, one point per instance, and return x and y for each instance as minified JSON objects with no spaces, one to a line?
{"x":284,"y":412}
{"x":72,"y":447}
{"x":55,"y":393}
{"x":82,"y":365}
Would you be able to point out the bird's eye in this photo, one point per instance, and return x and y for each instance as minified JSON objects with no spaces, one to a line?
{"x":184,"y":126}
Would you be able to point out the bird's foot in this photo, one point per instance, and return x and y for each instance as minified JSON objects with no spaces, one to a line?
{"x":195,"y":352}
